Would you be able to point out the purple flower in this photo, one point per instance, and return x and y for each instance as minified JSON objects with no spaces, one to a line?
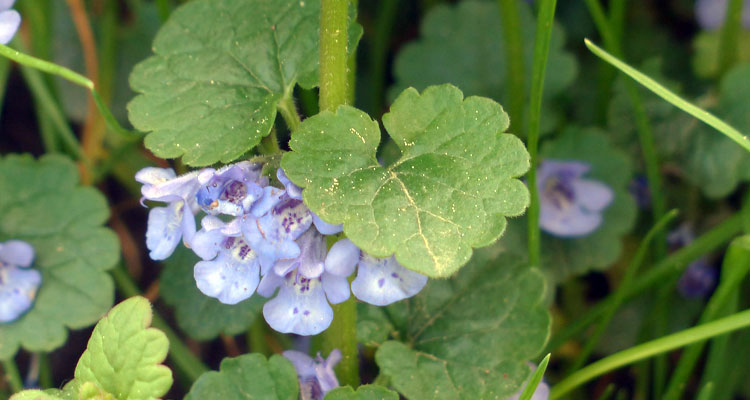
{"x":231,"y":190}
{"x":233,"y":276}
{"x":18,"y":282}
{"x":316,"y":376}
{"x":570,"y":206}
{"x":167,"y":225}
{"x":711,"y":13}
{"x":10,"y":20}
{"x":698,"y":280}
{"x":307,"y":284}
{"x":638,"y":188}
{"x":541,"y":392}
{"x":272,"y":235}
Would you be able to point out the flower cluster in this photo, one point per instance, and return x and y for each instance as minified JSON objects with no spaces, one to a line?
{"x":18,"y":282}
{"x":9,"y":21}
{"x":570,"y":206}
{"x":257,"y":237}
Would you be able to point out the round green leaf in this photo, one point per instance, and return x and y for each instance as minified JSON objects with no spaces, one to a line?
{"x":566,"y":257}
{"x":248,"y":376}
{"x":449,"y":192}
{"x":123,"y":357}
{"x":43,"y":204}
{"x":470,"y":337}
{"x":464,"y":44}
{"x":220,"y":69}
{"x":199,"y":316}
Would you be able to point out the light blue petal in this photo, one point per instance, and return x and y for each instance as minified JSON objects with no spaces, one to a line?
{"x":10,"y":20}
{"x":6,"y":4}
{"x":312,"y":253}
{"x":342,"y":258}
{"x":182,"y":187}
{"x":324,"y":227}
{"x":294,"y":191}
{"x":164,"y":230}
{"x":265,"y":237}
{"x":18,"y":288}
{"x":206,"y":244}
{"x":154,"y":175}
{"x":324,"y":371}
{"x":303,"y":364}
{"x":572,"y":222}
{"x":592,"y":195}
{"x":300,"y":307}
{"x":230,"y":278}
{"x":293,"y":218}
{"x":382,"y":281}
{"x":269,"y":283}
{"x":16,"y":252}
{"x":270,"y":198}
{"x":336,"y":288}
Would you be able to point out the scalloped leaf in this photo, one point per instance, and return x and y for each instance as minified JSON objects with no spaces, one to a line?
{"x":566,"y":257}
{"x":449,"y":192}
{"x":364,"y":392}
{"x":199,"y":316}
{"x":220,"y":70}
{"x":248,"y":376}
{"x":464,"y":44}
{"x":51,"y":394}
{"x":470,"y":337}
{"x":43,"y":204}
{"x":123,"y":357}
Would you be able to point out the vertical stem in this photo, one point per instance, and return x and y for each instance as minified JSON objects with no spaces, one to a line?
{"x":45,"y":371}
{"x":541,"y":50}
{"x":730,"y":33}
{"x":511,"y":23}
{"x":334,"y":91}
{"x":334,"y":81}
{"x":256,"y":337}
{"x":378,"y":52}
{"x":12,"y":375}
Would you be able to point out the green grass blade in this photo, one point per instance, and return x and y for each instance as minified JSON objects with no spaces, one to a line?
{"x":535,"y":379}
{"x":544,"y":23}
{"x":734,"y":269}
{"x":649,"y":349}
{"x":671,"y":97}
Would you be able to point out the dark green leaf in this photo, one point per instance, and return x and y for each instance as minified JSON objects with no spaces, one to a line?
{"x":464,"y":45}
{"x":449,"y":192}
{"x":220,"y":70}
{"x":200,"y":316}
{"x":42,"y":204}
{"x":249,"y":376}
{"x":470,"y":337}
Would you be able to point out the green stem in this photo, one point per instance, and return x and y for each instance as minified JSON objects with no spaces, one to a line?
{"x":12,"y":375}
{"x":619,"y":295}
{"x":334,"y":91}
{"x":669,"y":267}
{"x":334,"y":80}
{"x":288,"y":111}
{"x":4,"y":72}
{"x":180,"y":355}
{"x":734,"y":270}
{"x":643,"y":126}
{"x":256,"y":337}
{"x":511,"y":24}
{"x":730,"y":35}
{"x":45,"y":371}
{"x":662,"y":345}
{"x":541,"y":51}
{"x":72,"y":76}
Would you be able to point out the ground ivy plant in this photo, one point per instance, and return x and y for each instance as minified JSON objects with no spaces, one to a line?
{"x":504,"y":197}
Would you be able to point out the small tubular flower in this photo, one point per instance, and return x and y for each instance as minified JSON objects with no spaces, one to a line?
{"x":18,"y":282}
{"x":316,"y":376}
{"x":10,"y":20}
{"x":231,"y":190}
{"x":233,"y":276}
{"x":570,"y":206}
